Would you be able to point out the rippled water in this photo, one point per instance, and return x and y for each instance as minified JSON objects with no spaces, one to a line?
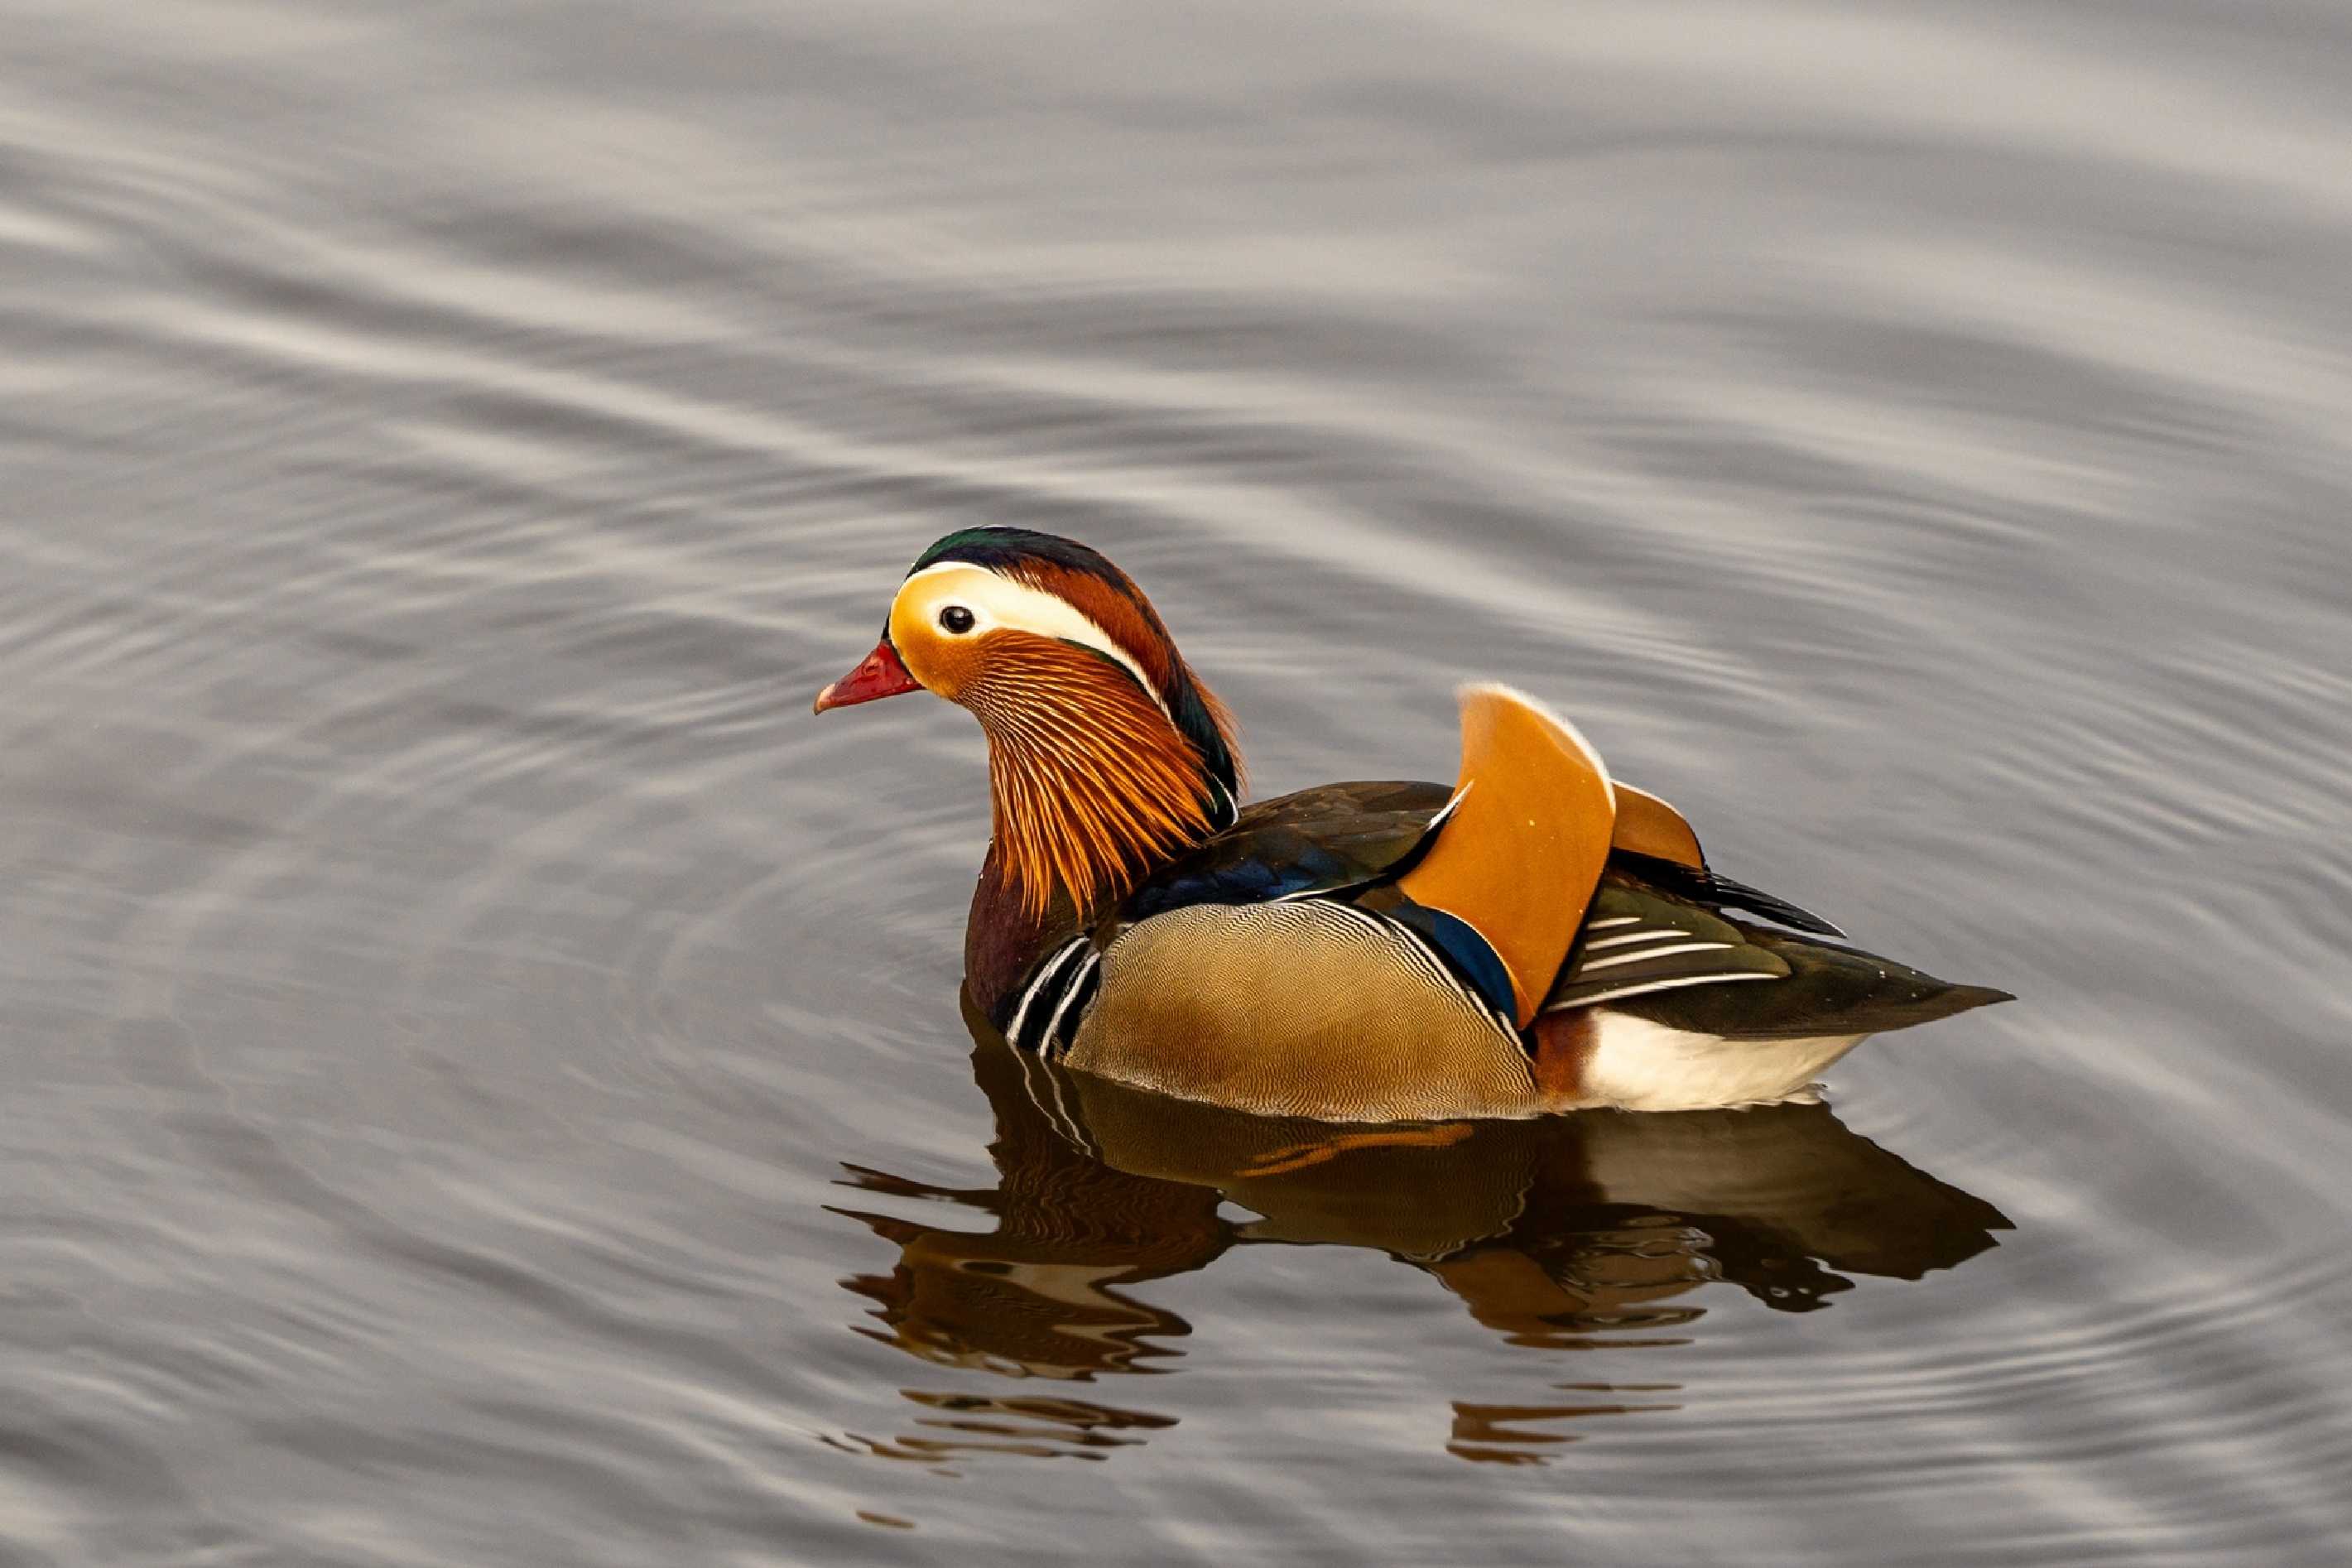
{"x":485,"y":1083}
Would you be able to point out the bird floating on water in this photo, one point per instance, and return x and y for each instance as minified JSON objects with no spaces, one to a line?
{"x":1539,"y":937}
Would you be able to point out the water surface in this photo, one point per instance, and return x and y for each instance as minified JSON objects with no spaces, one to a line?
{"x":485,"y":1081}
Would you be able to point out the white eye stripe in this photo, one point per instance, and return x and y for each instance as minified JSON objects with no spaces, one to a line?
{"x":997,"y":601}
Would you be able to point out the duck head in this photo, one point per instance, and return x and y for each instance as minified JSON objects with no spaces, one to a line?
{"x":1106,"y":754}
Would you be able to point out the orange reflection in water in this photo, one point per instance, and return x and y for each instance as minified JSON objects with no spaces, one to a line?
{"x":1570,"y":1232}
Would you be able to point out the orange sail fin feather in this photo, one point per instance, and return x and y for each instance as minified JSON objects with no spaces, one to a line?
{"x":1519,"y":857}
{"x":1090,"y":788}
{"x":1648,"y":825}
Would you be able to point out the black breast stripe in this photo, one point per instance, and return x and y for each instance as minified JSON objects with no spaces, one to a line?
{"x":1037,"y":1000}
{"x":1077,"y":992}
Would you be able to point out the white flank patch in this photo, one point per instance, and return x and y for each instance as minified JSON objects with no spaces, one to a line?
{"x":1642,"y":1066}
{"x":1001,"y":603}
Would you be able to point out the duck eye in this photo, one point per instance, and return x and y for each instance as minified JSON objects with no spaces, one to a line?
{"x":956,"y":619}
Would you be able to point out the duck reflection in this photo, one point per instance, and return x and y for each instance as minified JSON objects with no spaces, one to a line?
{"x":1570,"y":1231}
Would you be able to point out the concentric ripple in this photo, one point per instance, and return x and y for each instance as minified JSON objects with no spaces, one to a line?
{"x":485,"y":1079}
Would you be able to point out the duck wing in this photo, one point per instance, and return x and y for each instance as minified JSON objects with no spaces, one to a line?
{"x":1637,"y":940}
{"x":1827,"y":988}
{"x":1660,"y":956}
{"x":1344,"y":837}
{"x":1705,"y":886}
{"x":1315,"y":843}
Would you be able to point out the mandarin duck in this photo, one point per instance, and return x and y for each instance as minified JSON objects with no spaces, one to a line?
{"x":1538,"y":937}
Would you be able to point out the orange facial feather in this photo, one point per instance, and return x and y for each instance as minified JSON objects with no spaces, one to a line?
{"x":1090,"y":785}
{"x":1127,"y":616}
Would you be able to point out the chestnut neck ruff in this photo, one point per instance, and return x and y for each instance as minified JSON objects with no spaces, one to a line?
{"x":1090,"y":783}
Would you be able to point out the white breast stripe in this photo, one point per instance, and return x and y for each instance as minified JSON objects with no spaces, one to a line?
{"x":1649,"y":952}
{"x":1070,"y":994}
{"x":1045,"y":972}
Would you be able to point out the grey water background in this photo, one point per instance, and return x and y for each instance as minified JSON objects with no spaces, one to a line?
{"x":446,"y":977}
